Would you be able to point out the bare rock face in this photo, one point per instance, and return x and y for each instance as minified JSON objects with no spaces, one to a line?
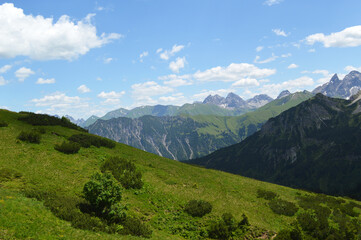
{"x":345,"y":88}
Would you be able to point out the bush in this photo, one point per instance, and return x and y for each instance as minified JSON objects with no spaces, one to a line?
{"x":40,"y":130}
{"x":7,"y":174}
{"x":3,"y":123}
{"x":31,"y":137}
{"x":283,"y":207}
{"x":268,"y":195}
{"x":87,"y":140}
{"x":102,"y":191}
{"x":293,"y":234}
{"x":244,"y":222}
{"x":219,"y":230}
{"x":124,"y":171}
{"x":198,"y":208}
{"x":46,"y":120}
{"x":136,"y":227}
{"x":67,"y":147}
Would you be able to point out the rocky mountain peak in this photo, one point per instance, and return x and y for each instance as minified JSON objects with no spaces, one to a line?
{"x":214,"y":99}
{"x":259,"y":100}
{"x":335,"y":79}
{"x":283,"y":94}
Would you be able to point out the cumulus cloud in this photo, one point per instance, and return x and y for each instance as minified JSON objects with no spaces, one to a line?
{"x":272,"y":2}
{"x":298,"y":84}
{"x":142,"y":93}
{"x":233,"y":72}
{"x":292,"y":66}
{"x":111,"y":95}
{"x":23,"y":73}
{"x":45,"y":81}
{"x":176,"y":81}
{"x":349,"y":37}
{"x":166,"y":54}
{"x":43,"y":39}
{"x":178,"y":64}
{"x":5,"y":68}
{"x":246,"y":82}
{"x":280,"y":32}
{"x":259,"y":48}
{"x":83,"y":89}
{"x":3,"y":81}
{"x":143,"y":55}
{"x":352,"y":68}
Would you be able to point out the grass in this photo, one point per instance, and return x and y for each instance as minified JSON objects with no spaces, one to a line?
{"x":168,"y":186}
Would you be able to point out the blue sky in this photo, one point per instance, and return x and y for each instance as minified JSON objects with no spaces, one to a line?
{"x":89,"y":57}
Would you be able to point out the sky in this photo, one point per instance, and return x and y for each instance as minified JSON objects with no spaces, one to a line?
{"x":85,"y":58}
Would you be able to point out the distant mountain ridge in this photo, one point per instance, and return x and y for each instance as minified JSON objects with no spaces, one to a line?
{"x":345,"y":88}
{"x":186,"y":136}
{"x":313,"y":146}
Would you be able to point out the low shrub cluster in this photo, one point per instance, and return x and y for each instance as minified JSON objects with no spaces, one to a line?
{"x":198,"y":208}
{"x":46,"y":120}
{"x":67,"y":147}
{"x":324,"y":218}
{"x":87,"y":140}
{"x":265,"y":194}
{"x":283,"y":207}
{"x":31,"y":137}
{"x":124,"y":171}
{"x":228,"y":227}
{"x":103,"y":194}
{"x":3,"y":123}
{"x":7,"y":174}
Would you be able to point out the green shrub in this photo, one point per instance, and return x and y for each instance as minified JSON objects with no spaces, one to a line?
{"x":244,"y":222}
{"x":31,"y":137}
{"x":265,"y":194}
{"x":293,"y":234}
{"x":40,"y":130}
{"x":46,"y":120}
{"x":102,"y":191}
{"x":219,"y":230}
{"x":67,"y":147}
{"x":283,"y":207}
{"x":124,"y":171}
{"x":7,"y":174}
{"x":198,"y":208}
{"x":3,"y":123}
{"x":87,"y":140}
{"x":136,"y":227}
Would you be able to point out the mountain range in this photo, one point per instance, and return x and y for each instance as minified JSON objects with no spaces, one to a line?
{"x":186,"y":136}
{"x":313,"y":146}
{"x":345,"y":88}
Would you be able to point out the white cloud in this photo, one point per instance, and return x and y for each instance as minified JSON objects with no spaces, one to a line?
{"x":298,"y":84}
{"x":111,"y":95}
{"x":349,"y":37}
{"x":45,"y":81}
{"x":352,"y":68}
{"x":312,"y":50}
{"x":108,"y":60}
{"x":99,"y":79}
{"x":159,"y":50}
{"x":166,"y":54}
{"x":280,"y":32}
{"x":4,"y":107}
{"x":43,"y":39}
{"x":176,"y":81}
{"x":143,"y":55}
{"x":111,"y":98}
{"x":83,"y":89}
{"x":23,"y":73}
{"x":292,"y":66}
{"x":259,"y":48}
{"x":246,"y":82}
{"x":232,"y":73}
{"x":205,"y":93}
{"x":150,"y":88}
{"x":175,"y":99}
{"x":271,"y":59}
{"x":177,"y":64}
{"x":5,"y":68}
{"x":3,"y":81}
{"x":272,"y":2}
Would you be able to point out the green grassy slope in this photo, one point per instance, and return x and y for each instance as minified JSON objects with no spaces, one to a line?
{"x":168,"y":186}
